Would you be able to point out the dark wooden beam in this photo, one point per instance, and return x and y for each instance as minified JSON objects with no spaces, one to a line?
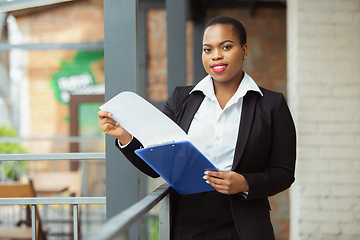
{"x":197,"y":10}
{"x":75,"y":101}
{"x":252,"y":6}
{"x":146,"y":4}
{"x":246,"y":4}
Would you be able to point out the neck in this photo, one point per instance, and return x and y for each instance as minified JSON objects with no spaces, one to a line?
{"x":225,"y":91}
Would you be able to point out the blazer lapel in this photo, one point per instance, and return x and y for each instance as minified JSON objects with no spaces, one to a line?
{"x":247,"y":115}
{"x":190,"y":108}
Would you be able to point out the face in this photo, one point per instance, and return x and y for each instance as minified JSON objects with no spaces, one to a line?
{"x":223,"y":54}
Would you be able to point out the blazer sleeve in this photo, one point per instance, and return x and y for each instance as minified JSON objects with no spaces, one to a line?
{"x":129,"y":153}
{"x":280,"y":167}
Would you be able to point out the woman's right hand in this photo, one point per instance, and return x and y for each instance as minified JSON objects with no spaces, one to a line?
{"x":113,"y":128}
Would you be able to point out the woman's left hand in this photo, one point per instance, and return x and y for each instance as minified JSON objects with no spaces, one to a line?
{"x":227,"y":182}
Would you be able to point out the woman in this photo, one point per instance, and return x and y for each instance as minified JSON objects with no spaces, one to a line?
{"x":244,"y":130}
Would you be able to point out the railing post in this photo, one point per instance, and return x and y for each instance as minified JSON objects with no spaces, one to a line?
{"x":33,"y":222}
{"x":75,"y":221}
{"x":164,"y":218}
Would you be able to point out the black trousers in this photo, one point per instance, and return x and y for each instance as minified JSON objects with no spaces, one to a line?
{"x":202,"y":216}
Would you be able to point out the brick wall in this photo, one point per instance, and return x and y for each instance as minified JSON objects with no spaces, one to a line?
{"x":324,"y":94}
{"x":157,"y":62}
{"x":157,"y":55}
{"x":69,"y":23}
{"x":73,"y":22}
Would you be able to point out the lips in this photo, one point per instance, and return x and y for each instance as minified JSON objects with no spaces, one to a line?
{"x":218,"y":67}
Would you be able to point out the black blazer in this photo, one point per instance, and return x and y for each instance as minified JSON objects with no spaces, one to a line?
{"x":265,"y":154}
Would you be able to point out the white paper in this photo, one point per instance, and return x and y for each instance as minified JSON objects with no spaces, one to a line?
{"x":144,"y":121}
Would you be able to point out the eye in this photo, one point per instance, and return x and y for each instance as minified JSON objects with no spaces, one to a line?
{"x":207,"y":50}
{"x":227,"y":47}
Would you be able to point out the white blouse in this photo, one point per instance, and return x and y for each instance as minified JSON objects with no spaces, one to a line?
{"x":213,"y":130}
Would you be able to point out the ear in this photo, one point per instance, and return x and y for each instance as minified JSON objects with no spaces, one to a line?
{"x":245,"y":51}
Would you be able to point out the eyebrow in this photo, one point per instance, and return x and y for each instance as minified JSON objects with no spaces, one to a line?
{"x":221,"y":43}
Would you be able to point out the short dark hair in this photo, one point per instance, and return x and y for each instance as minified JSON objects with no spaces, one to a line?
{"x":238,"y":28}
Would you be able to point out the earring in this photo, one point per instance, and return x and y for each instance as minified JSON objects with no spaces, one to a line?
{"x":245,"y":57}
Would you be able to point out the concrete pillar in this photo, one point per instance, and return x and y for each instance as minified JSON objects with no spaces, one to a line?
{"x":176,"y":44}
{"x":121,"y":74}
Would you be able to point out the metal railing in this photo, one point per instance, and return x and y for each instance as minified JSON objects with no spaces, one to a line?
{"x":94,"y":157}
{"x":52,"y":156}
{"x":115,"y":228}
{"x":118,"y":226}
{"x":33,"y":202}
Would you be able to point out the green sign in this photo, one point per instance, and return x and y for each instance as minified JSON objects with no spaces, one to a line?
{"x":76,"y":77}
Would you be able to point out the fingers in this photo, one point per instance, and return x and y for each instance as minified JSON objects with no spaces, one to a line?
{"x":109,"y":121}
{"x":107,"y":127}
{"x":104,"y":114}
{"x":214,"y":173}
{"x":107,"y":124}
{"x":226,"y":182}
{"x":214,"y":178}
{"x":105,"y":118}
{"x":218,"y":183}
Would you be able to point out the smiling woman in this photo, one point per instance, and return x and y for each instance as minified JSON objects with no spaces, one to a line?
{"x":246,"y":131}
{"x":222,"y":57}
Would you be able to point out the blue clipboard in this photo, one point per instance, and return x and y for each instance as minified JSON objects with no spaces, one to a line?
{"x":180,"y":164}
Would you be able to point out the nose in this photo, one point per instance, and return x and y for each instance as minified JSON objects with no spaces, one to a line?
{"x":217,"y":55}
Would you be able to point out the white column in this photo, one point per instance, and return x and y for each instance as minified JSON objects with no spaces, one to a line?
{"x":324,"y":97}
